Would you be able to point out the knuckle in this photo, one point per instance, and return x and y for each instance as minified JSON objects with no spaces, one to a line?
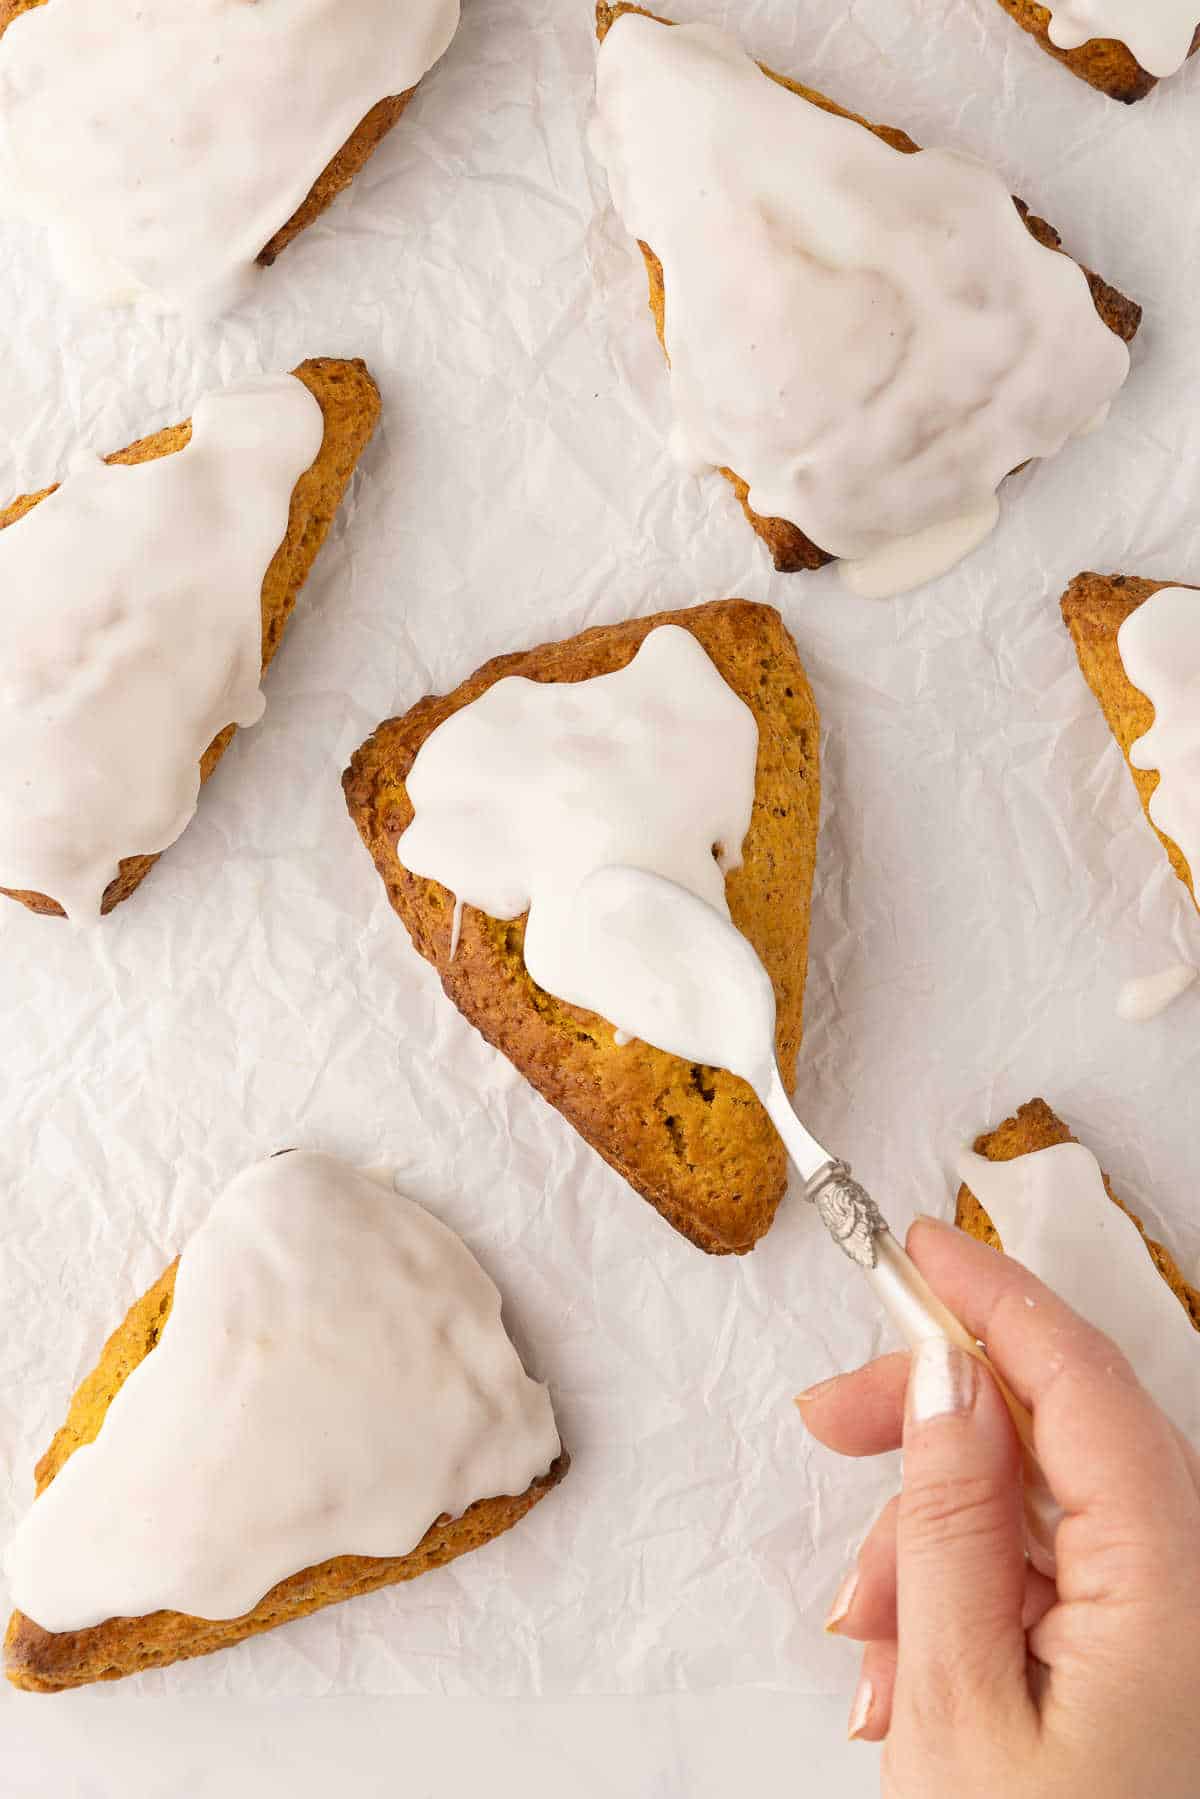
{"x":958,"y":1508}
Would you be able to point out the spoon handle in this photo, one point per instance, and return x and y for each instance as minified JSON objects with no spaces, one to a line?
{"x":861,"y":1232}
{"x":919,"y":1314}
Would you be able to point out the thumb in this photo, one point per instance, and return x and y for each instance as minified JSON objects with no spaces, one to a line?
{"x":961,"y":1539}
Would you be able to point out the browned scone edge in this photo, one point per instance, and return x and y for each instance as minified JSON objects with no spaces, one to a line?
{"x":41,"y":1661}
{"x":1036,"y":1127}
{"x":693,"y":1141}
{"x":349,"y":400}
{"x":791,"y":550}
{"x":1104,"y":63}
{"x":337,"y":174}
{"x":1094,"y":608}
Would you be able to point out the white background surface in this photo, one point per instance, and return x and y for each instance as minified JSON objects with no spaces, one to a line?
{"x":676,"y":1746}
{"x":985,"y":882}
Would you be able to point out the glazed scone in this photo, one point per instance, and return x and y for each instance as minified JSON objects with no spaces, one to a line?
{"x":693,"y":1141}
{"x":791,"y":549}
{"x":1094,"y":608}
{"x":1036,"y":1127}
{"x":40,"y":1661}
{"x":340,"y":101}
{"x":349,"y":402}
{"x":333,"y":179}
{"x":1105,"y":63}
{"x":450,"y":1364}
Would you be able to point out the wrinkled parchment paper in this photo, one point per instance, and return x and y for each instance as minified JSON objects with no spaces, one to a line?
{"x":985,"y":878}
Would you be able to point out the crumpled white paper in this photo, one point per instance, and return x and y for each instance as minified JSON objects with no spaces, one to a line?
{"x":985,"y":878}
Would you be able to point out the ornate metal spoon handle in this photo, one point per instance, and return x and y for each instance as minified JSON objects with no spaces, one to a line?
{"x":860,"y":1231}
{"x":848,"y":1213}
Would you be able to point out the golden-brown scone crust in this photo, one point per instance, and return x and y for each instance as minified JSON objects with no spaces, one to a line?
{"x":1103,"y":62}
{"x":349,"y":399}
{"x":1094,"y":608}
{"x":791,"y":550}
{"x":694,"y":1141}
{"x":1036,"y":1127}
{"x":41,"y":1661}
{"x":338,"y":173}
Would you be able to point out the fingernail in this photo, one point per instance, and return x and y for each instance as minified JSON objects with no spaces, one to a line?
{"x":943,"y":1381}
{"x":840,"y":1608}
{"x":811,"y":1393}
{"x":860,"y":1711}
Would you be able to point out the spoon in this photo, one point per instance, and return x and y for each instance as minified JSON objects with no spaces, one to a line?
{"x":664,"y":966}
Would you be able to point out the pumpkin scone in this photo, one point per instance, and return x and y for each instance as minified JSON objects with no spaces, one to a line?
{"x":318,"y":1399}
{"x":1101,"y":57}
{"x":1036,"y":1128}
{"x":231,"y":155}
{"x":1035,"y":1192}
{"x":1155,"y":626}
{"x":823,"y":358}
{"x":692,"y":1140}
{"x":141,"y":607}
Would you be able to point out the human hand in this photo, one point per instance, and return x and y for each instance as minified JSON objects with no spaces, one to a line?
{"x":987,"y":1679}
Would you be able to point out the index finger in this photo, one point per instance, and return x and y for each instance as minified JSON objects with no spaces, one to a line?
{"x":1104,"y":1444}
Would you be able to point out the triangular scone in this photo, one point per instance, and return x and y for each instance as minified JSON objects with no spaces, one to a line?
{"x":338,"y":173}
{"x":349,"y":400}
{"x":1094,"y":608}
{"x":41,"y":1661}
{"x":1036,"y":1127}
{"x":694,"y":1141}
{"x":1103,"y":62}
{"x":791,"y":550}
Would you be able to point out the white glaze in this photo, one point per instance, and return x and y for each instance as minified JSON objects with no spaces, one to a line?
{"x":1159,"y":32}
{"x":908,"y":562}
{"x":164,"y":146}
{"x":1146,"y":996}
{"x":131,"y":634}
{"x":523,"y":794}
{"x":669,"y":968}
{"x":334,"y":1375}
{"x":1053,"y":1214}
{"x":872,"y":340}
{"x":1159,"y":645}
